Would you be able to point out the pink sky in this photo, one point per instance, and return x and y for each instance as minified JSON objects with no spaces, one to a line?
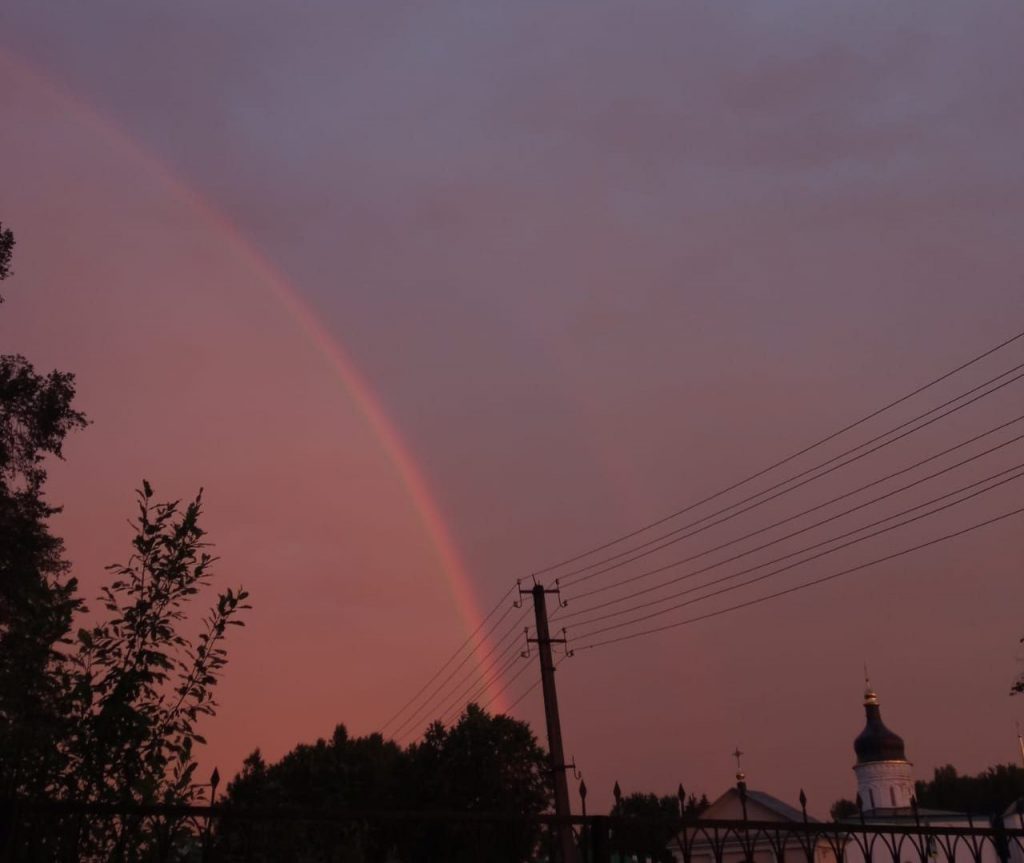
{"x":592,"y":262}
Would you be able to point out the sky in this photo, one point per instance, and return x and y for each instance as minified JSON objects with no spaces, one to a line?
{"x":427,"y":297}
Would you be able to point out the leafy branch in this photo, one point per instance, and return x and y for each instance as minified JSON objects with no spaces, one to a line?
{"x":143,"y":684}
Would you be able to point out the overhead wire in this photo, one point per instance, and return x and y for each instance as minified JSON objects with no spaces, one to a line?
{"x":426,"y":702}
{"x":432,"y":707}
{"x":645,"y":549}
{"x":788,"y":567}
{"x":751,"y":477}
{"x":492,"y":668}
{"x":478,"y":688}
{"x":451,"y":659}
{"x":439,"y":692}
{"x":737,"y":540}
{"x":827,"y":541}
{"x":506,"y":683}
{"x":807,"y":584}
{"x":515,"y":702}
{"x":522,"y":695}
{"x":442,"y":706}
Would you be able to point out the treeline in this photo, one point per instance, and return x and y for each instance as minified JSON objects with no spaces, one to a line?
{"x":483,"y":764}
{"x":987,"y":793}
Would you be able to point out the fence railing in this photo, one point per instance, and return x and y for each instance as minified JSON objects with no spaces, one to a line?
{"x":65,"y":831}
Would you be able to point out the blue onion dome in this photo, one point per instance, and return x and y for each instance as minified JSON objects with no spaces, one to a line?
{"x":876,"y":742}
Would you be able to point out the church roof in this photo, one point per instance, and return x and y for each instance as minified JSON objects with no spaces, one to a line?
{"x":728,"y":806}
{"x":788,"y":812}
{"x":876,"y":742}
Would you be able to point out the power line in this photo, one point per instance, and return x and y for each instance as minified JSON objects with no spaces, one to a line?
{"x":436,"y":711}
{"x":488,"y":665}
{"x":452,"y":658}
{"x":786,"y":568}
{"x":460,"y":703}
{"x":430,"y":702}
{"x":805,"y":585}
{"x":508,"y":683}
{"x":584,"y":573}
{"x":478,"y":688}
{"x":781,"y":462}
{"x":665,"y":567}
{"x":828,"y":541}
{"x":443,"y":691}
{"x":466,"y":658}
{"x":531,"y":687}
{"x":523,"y":695}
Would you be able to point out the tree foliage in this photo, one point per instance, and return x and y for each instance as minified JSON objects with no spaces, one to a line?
{"x":482,"y":764}
{"x":1018,"y":684}
{"x":109,"y":715}
{"x":6,"y":253}
{"x":323,"y":778}
{"x":987,"y":793}
{"x":38,"y":598}
{"x":647,"y":823}
{"x":843,"y":808}
{"x":140,"y":683}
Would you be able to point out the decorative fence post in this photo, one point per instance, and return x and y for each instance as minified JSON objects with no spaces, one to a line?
{"x":601,"y":842}
{"x":8,"y":813}
{"x":1001,"y":843}
{"x":214,"y":782}
{"x":585,"y":826}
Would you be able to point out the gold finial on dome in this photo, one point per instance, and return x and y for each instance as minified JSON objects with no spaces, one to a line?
{"x":740,"y":775}
{"x":870,"y":696}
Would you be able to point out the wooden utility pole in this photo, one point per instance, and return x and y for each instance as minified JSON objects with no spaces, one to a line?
{"x":566,"y":842}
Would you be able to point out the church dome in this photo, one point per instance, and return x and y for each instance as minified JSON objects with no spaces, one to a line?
{"x":876,"y":742}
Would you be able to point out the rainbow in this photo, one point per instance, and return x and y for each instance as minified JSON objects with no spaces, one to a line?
{"x":334,"y":354}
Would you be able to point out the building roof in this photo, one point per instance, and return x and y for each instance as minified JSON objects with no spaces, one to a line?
{"x":776,"y":805}
{"x":728,"y":806}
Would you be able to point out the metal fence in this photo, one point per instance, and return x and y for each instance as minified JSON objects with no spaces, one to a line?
{"x":51,"y":831}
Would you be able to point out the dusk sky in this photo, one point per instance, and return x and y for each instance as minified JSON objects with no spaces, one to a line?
{"x":430,"y":296}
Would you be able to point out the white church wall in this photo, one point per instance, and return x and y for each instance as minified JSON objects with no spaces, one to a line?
{"x":885,"y":784}
{"x":733,"y":852}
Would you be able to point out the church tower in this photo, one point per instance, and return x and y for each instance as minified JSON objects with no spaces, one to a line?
{"x":884,"y":778}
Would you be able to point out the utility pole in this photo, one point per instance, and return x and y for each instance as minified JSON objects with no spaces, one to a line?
{"x":547,"y":678}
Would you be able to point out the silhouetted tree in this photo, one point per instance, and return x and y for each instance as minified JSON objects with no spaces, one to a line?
{"x":37,"y":596}
{"x":695,"y":807}
{"x":6,"y":252}
{"x":987,"y":793}
{"x":1018,"y":684}
{"x":843,"y":808}
{"x":321,"y":779}
{"x":483,"y":764}
{"x":330,"y":775}
{"x":649,"y":823}
{"x":108,"y":716}
{"x":141,"y":683}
